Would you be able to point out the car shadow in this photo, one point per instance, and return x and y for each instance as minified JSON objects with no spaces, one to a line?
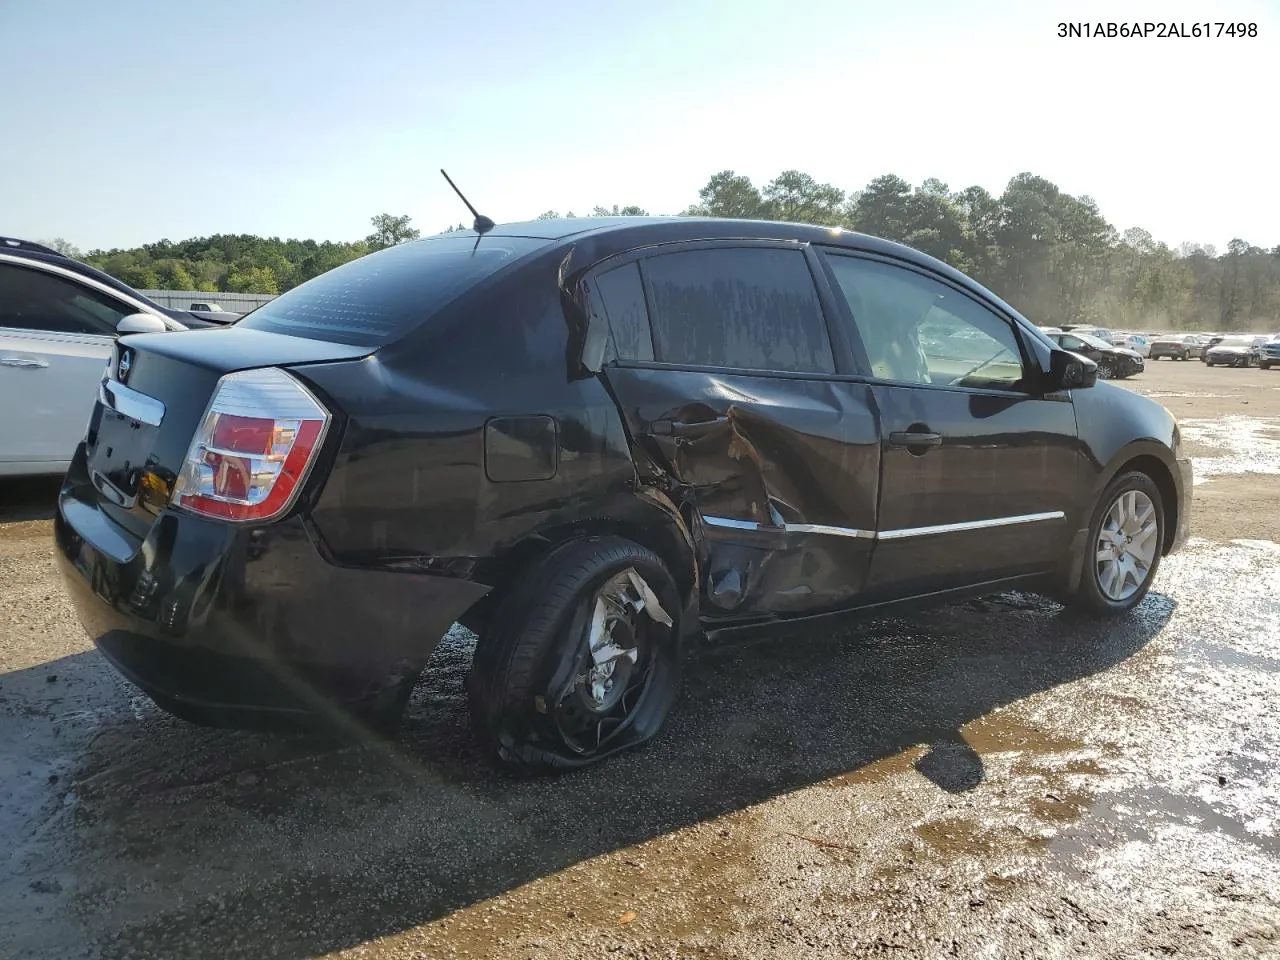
{"x":28,"y":498}
{"x":199,"y":841}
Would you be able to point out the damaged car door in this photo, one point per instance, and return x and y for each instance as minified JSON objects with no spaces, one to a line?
{"x":980,"y":465}
{"x":741,"y":410}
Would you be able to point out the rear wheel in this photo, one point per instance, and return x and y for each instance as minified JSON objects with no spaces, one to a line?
{"x":1184,"y":355}
{"x":1104,"y":370}
{"x":581,"y":660}
{"x":1264,"y":364}
{"x":1123,"y":551}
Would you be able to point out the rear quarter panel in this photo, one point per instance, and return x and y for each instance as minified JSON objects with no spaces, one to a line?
{"x":409,"y":481}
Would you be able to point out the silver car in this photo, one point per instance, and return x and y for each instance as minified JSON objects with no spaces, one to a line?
{"x":58,"y":321}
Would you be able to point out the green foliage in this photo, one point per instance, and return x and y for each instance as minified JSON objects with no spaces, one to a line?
{"x":64,"y":247}
{"x":1053,"y":256}
{"x":388,"y":230}
{"x":628,"y":211}
{"x":228,"y":262}
{"x":253,"y":280}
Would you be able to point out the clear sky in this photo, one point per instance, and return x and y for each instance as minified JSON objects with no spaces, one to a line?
{"x":128,"y":121}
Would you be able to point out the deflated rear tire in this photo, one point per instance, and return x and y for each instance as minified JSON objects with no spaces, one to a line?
{"x":580,"y":661}
{"x":1122,"y":554}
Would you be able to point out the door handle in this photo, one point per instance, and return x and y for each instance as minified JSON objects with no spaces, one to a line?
{"x":907,"y":438}
{"x":23,"y":362}
{"x":684,"y":428}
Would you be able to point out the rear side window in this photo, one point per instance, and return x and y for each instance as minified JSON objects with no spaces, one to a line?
{"x":622,"y":295}
{"x":747,"y":307}
{"x":374,"y":300}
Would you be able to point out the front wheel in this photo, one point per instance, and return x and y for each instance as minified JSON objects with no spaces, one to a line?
{"x":581,"y":659}
{"x":1122,"y":553}
{"x":1264,"y":364}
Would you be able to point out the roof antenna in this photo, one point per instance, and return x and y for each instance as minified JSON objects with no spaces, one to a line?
{"x":482,"y":224}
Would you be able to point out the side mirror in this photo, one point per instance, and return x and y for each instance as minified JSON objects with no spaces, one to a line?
{"x":141,"y":323}
{"x":1070,"y":371}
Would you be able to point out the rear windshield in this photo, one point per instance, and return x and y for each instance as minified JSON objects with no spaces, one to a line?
{"x":373,"y":300}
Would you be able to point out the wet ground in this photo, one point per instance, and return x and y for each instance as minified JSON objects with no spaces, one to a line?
{"x":990,"y":779}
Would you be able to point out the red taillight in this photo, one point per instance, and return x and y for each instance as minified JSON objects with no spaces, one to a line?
{"x":254,"y":447}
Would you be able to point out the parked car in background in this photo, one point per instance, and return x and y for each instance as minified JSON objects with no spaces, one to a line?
{"x":213,"y":311}
{"x":1269,"y":352}
{"x":1099,"y":333}
{"x":59,"y":319}
{"x":1114,"y":363}
{"x":1132,"y":341}
{"x":283,"y":526}
{"x":1241,"y":350}
{"x":1175,"y":346}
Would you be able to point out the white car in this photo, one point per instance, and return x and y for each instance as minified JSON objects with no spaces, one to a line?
{"x":58,"y":321}
{"x":1133,"y":341}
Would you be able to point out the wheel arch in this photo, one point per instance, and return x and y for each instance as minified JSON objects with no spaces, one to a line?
{"x":647,"y":518}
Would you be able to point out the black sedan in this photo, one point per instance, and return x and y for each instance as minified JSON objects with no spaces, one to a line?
{"x":593,"y":442}
{"x":1114,"y":363}
{"x":1237,"y":351}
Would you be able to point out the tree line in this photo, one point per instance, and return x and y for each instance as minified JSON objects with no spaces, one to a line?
{"x":1052,"y":255}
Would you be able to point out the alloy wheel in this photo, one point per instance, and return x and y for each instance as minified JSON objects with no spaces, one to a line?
{"x":1127,"y":545}
{"x":612,"y":666}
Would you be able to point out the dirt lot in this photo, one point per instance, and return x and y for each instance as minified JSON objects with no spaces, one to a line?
{"x":987,"y":779}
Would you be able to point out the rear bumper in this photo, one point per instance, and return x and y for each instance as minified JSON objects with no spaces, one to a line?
{"x":248,"y":626}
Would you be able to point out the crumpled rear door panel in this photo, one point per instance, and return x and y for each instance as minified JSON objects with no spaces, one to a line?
{"x":778,"y":476}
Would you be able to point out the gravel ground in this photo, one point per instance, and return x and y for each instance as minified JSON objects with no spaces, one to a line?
{"x":989,"y":779}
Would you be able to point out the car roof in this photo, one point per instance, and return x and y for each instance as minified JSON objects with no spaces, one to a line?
{"x":606,"y":236}
{"x":675,"y":229}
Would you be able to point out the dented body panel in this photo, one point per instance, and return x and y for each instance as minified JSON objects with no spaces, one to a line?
{"x":760,"y":463}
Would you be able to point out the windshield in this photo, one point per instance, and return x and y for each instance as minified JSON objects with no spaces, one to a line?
{"x":1236,"y":342}
{"x":373,"y":300}
{"x":1092,"y":341}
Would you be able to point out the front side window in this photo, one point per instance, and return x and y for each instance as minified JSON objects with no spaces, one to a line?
{"x":753,"y":308}
{"x":32,"y":299}
{"x":919,"y":330}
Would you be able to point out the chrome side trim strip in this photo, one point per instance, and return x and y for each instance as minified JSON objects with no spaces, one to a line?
{"x":731,"y":524}
{"x":901,"y":534}
{"x":830,"y":531}
{"x":137,"y":406}
{"x":968,"y":525}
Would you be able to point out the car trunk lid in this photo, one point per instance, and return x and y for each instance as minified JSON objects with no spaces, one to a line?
{"x":153,"y":397}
